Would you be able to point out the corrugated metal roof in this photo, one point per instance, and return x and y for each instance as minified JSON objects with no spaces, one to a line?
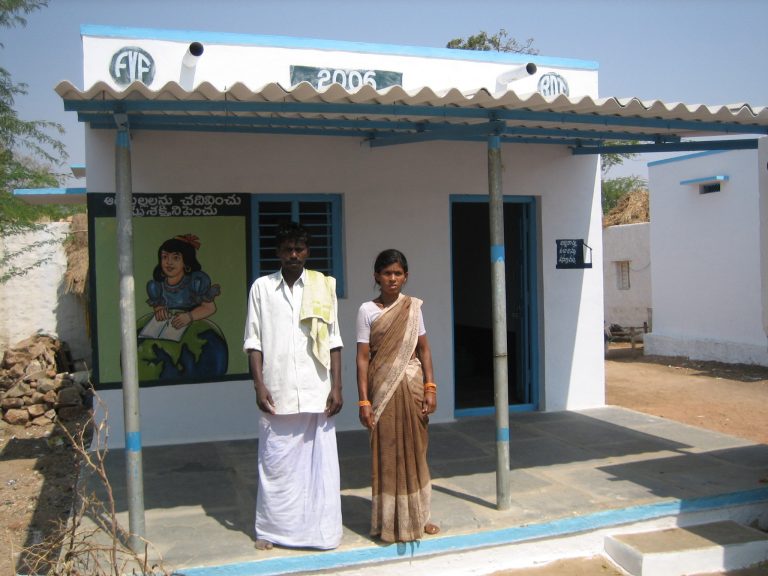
{"x":394,"y":115}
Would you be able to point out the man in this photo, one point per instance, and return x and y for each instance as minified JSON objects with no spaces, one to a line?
{"x":294,"y":350}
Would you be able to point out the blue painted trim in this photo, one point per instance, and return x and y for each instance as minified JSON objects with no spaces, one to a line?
{"x":687,"y":146}
{"x":491,"y":410}
{"x":231,"y":123}
{"x":531,"y":249}
{"x":494,"y":142}
{"x":133,"y":441}
{"x":48,"y":191}
{"x":563,"y":118}
{"x":502,"y":434}
{"x":480,"y":539}
{"x":497,"y":253}
{"x":130,"y":33}
{"x":705,"y":179}
{"x":122,"y":140}
{"x":685,"y":157}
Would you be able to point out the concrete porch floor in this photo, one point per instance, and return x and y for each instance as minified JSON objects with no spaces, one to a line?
{"x":575,"y":476}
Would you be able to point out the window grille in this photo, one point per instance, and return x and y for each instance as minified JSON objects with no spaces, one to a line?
{"x":320,"y":214}
{"x":622,"y":275}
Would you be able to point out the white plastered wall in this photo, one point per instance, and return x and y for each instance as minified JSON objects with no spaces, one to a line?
{"x":627,"y":243}
{"x":392,"y":197}
{"x":36,"y":302}
{"x":254,"y":62}
{"x":708,"y":258}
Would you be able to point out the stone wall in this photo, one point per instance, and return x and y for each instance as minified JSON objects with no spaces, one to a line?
{"x":36,"y":385}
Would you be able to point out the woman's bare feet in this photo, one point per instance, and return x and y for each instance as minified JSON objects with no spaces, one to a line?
{"x":263,"y":544}
{"x":431,"y":529}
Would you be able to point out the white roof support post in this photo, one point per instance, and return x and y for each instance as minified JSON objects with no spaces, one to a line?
{"x":128,"y":355}
{"x":499,"y":319}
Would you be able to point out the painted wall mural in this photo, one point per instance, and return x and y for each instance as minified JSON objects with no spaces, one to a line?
{"x":191,"y":283}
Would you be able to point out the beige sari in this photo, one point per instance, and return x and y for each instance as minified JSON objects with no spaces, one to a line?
{"x":401,"y":488}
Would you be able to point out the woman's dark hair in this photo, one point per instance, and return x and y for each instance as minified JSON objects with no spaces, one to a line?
{"x":389,"y":257}
{"x":188,"y":254}
{"x":291,"y":231}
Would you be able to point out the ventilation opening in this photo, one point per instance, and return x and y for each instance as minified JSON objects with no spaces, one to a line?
{"x":709,"y":188}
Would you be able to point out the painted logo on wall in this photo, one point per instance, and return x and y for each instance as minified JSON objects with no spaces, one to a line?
{"x":552,"y":84}
{"x":131,"y":63}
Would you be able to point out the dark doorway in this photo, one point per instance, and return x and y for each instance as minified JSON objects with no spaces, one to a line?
{"x":471,"y":278}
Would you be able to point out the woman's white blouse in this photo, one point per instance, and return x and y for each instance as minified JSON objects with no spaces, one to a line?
{"x":367,"y":313}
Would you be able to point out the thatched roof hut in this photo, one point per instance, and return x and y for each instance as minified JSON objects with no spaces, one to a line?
{"x":632,"y":208}
{"x":76,"y":246}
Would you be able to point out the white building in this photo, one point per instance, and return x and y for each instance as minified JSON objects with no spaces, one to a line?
{"x":627,"y":275}
{"x":226,"y":133}
{"x":709,"y":248}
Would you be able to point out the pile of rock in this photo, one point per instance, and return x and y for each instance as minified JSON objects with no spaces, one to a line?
{"x":36,"y":385}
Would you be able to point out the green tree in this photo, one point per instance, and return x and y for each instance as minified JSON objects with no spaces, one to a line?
{"x":27,"y":153}
{"x":608,"y":161}
{"x":500,"y":42}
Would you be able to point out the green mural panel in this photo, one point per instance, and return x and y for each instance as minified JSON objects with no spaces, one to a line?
{"x":204,"y":350}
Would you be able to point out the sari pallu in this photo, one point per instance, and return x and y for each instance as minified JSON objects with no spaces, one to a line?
{"x":401,"y":484}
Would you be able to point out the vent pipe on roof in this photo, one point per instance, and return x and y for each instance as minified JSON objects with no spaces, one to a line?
{"x":193,"y":54}
{"x":514,"y":74}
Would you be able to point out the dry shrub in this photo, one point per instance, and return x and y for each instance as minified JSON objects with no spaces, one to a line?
{"x":632,"y":208}
{"x":76,"y":276}
{"x":92,"y":542}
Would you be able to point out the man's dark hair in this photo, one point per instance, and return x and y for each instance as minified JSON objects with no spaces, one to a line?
{"x":291,"y":231}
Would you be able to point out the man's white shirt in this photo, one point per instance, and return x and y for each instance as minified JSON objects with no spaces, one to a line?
{"x":297,"y":382}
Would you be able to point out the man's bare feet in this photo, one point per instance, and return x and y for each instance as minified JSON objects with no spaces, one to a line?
{"x":431,"y":529}
{"x":263,"y":544}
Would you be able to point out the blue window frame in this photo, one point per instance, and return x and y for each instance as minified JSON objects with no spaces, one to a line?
{"x":320,"y":214}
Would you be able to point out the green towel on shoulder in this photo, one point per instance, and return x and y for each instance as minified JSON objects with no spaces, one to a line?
{"x":317,"y":311}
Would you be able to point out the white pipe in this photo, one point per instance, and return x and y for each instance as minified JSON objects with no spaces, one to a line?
{"x":192,"y":55}
{"x":515,"y":74}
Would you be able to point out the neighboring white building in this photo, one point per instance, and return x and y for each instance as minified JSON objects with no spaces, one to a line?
{"x":375,"y":147}
{"x":709,"y":248}
{"x":627,"y":275}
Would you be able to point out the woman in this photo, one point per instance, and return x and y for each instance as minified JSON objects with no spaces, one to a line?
{"x":397,"y":393}
{"x":179,"y":290}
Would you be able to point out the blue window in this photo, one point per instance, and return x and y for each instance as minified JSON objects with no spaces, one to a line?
{"x":320,"y":214}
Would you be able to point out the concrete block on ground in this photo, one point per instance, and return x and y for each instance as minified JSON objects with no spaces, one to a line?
{"x":691,"y":550}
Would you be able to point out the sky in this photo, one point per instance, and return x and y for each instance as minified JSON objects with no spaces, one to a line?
{"x":693,"y":51}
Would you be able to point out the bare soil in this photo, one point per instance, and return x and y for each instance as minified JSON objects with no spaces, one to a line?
{"x":37,"y":475}
{"x":38,"y":467}
{"x":726,"y":398}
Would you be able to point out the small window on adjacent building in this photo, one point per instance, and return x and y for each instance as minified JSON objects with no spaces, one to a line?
{"x":320,"y":214}
{"x":709,"y":188}
{"x":622,"y":275}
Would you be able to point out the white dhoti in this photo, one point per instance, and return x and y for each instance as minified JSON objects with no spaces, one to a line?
{"x":299,"y":501}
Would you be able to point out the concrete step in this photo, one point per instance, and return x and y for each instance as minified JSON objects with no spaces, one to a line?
{"x":698,"y":549}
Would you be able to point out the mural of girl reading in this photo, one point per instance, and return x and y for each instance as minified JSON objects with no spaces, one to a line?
{"x":177,"y":340}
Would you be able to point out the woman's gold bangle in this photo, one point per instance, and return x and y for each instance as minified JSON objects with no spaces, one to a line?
{"x":362,"y":403}
{"x":431,"y":385}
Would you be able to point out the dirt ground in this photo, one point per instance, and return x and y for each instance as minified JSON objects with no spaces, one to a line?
{"x":727,"y":398}
{"x":37,"y":468}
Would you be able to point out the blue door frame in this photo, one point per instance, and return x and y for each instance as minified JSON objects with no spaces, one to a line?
{"x":529,"y":344}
